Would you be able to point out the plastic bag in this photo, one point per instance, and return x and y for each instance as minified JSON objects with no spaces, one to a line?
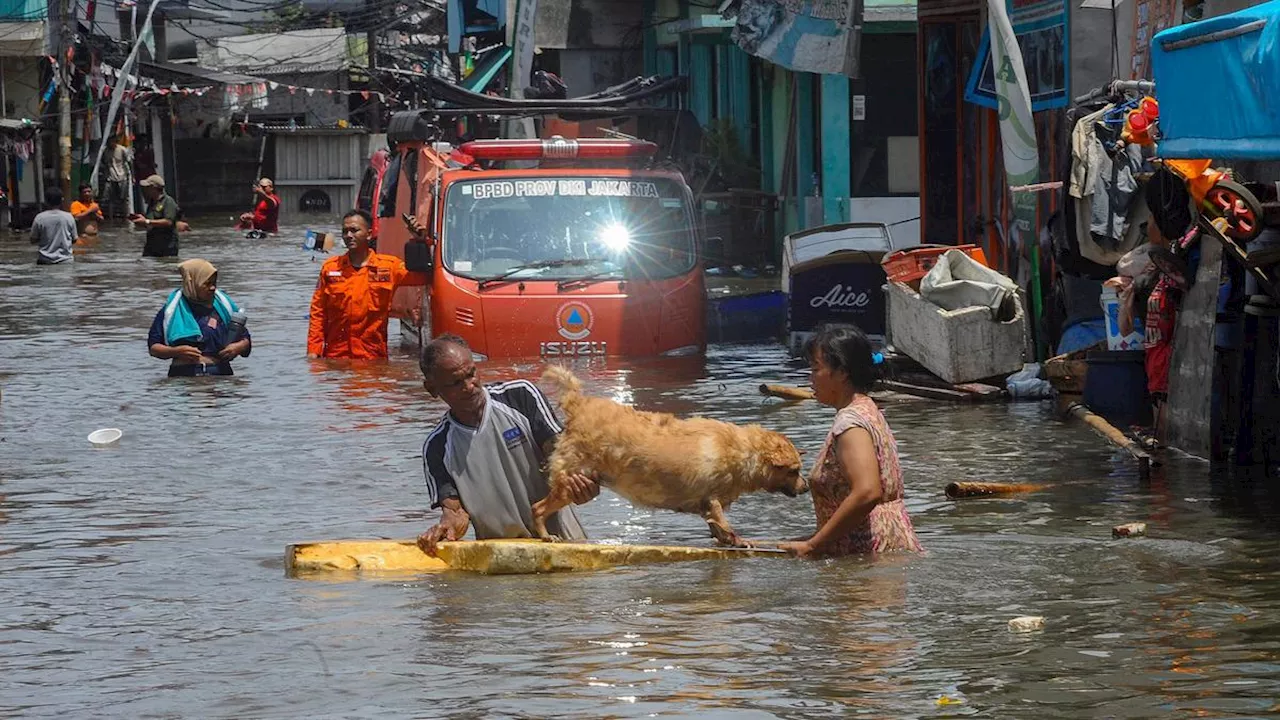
{"x":1135,"y":262}
{"x":1027,"y":385}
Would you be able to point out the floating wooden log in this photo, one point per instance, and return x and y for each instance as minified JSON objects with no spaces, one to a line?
{"x":491,"y":557}
{"x":1114,"y":436}
{"x":982,"y":489}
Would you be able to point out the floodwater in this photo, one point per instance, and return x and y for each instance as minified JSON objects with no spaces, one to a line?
{"x":146,"y":579}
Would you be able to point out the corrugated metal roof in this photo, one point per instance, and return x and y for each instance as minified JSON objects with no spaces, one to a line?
{"x":314,"y":50}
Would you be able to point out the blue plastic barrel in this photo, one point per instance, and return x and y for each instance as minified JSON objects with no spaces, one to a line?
{"x":1116,"y":387}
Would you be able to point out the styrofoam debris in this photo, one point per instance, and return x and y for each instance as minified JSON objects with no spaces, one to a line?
{"x":1026,"y":623}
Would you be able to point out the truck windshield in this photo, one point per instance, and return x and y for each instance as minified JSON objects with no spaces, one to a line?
{"x":560,"y":228}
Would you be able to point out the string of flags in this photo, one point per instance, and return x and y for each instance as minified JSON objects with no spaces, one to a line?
{"x":237,"y":94}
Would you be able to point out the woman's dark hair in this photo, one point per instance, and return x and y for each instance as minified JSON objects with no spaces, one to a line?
{"x":1143,"y":286}
{"x":363,"y":215}
{"x":845,"y":348}
{"x":1170,"y":203}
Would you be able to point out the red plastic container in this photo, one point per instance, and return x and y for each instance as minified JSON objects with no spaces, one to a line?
{"x":909,"y":265}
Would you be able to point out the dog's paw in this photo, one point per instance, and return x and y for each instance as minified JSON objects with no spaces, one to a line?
{"x":549,"y":538}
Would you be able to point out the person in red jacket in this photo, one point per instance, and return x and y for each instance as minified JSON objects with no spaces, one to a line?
{"x":266,"y":209}
{"x":352,"y":302}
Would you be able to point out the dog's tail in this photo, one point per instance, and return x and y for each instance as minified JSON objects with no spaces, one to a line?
{"x":569,"y":385}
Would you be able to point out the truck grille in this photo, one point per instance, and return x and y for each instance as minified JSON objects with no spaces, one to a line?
{"x":465,"y":316}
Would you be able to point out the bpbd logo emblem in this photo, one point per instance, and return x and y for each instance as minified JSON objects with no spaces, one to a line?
{"x":574,"y":320}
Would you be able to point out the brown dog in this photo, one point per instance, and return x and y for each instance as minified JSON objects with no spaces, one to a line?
{"x":657,"y":460}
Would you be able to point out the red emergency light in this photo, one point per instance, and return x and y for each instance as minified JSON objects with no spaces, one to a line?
{"x":557,"y":148}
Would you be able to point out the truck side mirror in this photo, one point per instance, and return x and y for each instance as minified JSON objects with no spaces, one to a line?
{"x":417,"y":255}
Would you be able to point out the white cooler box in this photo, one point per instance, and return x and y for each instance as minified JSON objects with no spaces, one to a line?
{"x":958,"y":346}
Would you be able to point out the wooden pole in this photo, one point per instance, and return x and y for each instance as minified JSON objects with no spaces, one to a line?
{"x":980,"y":489}
{"x":1113,"y":436}
{"x":786,"y":392}
{"x":64,"y":103}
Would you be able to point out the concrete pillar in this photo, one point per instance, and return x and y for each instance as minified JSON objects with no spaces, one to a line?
{"x":835,"y":149}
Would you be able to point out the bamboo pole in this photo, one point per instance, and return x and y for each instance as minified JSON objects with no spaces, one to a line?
{"x":1113,"y":436}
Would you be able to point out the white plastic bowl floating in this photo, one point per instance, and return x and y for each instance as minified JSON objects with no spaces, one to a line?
{"x":105,"y":436}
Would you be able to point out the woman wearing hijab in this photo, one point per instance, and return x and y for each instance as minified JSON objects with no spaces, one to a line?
{"x":193,"y":329}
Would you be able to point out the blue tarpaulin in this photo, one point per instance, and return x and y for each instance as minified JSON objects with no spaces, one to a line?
{"x":1218,"y":83}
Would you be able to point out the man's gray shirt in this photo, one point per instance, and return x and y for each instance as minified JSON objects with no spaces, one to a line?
{"x":495,"y":470}
{"x":55,"y":232}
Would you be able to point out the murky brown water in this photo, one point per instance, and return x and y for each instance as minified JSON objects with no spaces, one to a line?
{"x":146,"y":580}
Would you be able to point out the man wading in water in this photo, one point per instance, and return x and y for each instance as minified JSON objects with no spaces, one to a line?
{"x":484,"y":461}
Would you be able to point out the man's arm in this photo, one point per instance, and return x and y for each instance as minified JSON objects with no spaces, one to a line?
{"x":525,"y":397}
{"x":453,"y":525}
{"x":443,"y":490}
{"x":315,"y":323}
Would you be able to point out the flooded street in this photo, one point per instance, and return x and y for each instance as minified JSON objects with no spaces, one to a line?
{"x":146,"y":579}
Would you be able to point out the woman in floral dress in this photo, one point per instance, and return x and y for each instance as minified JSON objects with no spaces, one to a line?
{"x":857,"y":482}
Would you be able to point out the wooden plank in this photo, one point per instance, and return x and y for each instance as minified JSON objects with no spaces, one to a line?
{"x":934,"y":393}
{"x":1191,"y":369}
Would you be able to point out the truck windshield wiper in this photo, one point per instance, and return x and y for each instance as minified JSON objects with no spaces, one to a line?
{"x":530,"y":266}
{"x":586,"y":279}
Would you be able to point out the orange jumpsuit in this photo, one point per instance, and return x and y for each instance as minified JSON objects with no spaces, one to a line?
{"x":351,"y":306}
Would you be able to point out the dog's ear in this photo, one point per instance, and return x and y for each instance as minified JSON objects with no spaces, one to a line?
{"x":782,"y":457}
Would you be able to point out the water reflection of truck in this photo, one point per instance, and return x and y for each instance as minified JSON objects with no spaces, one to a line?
{"x":585,"y":251}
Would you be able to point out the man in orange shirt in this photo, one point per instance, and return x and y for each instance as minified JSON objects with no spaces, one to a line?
{"x":352,"y":301}
{"x":87,"y":213}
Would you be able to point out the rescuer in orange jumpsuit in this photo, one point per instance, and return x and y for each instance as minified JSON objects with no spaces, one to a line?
{"x":352,"y":301}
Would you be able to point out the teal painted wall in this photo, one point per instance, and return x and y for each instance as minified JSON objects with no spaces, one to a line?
{"x":23,"y":10}
{"x":738,"y":70}
{"x":834,"y":109}
{"x":764,"y":147}
{"x":805,"y":98}
{"x":700,"y":76}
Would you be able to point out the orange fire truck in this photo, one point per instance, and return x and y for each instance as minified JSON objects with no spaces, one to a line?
{"x":583,"y":250}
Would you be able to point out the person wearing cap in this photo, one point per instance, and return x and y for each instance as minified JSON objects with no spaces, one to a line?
{"x":160,"y":221}
{"x":266,"y":210}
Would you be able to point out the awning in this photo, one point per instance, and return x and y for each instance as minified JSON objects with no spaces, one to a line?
{"x":207,"y":75}
{"x":18,"y":124}
{"x":480,"y":78}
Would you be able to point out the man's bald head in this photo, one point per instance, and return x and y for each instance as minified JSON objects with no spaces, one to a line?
{"x":438,"y":348}
{"x":449,"y":373}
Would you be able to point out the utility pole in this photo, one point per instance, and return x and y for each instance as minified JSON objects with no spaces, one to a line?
{"x":64,"y":101}
{"x":375,"y":105}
